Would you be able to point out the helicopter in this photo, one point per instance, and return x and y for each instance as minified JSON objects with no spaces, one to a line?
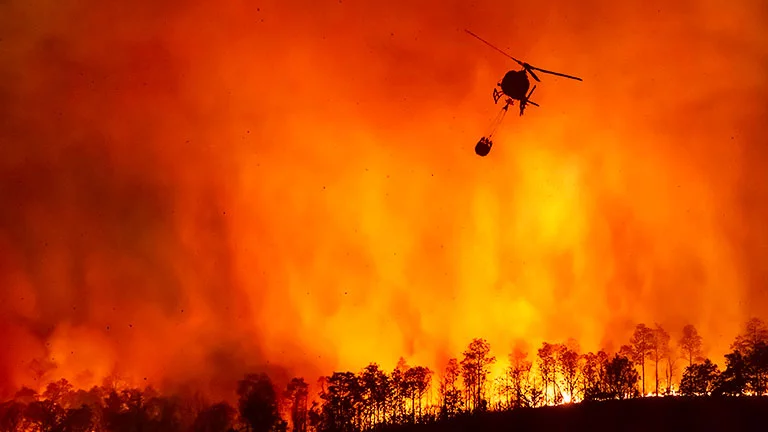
{"x":514,"y":86}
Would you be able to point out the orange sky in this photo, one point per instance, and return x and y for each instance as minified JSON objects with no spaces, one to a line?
{"x":193,"y":190}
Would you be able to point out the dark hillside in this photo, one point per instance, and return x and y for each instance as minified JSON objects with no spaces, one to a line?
{"x":641,"y":415}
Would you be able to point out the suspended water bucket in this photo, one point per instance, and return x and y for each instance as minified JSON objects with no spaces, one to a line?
{"x":483,"y":147}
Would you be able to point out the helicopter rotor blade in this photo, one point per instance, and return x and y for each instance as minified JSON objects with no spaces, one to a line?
{"x":494,"y":47}
{"x":533,"y":103}
{"x":555,"y":73}
{"x":525,"y":66}
{"x":529,"y":69}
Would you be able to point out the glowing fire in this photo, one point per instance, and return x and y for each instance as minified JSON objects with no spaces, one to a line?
{"x":195,"y":190}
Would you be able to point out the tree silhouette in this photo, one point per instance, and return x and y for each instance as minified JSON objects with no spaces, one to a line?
{"x":398,"y":389}
{"x":670,"y":371}
{"x":376,"y":392}
{"x":93,"y":398}
{"x":628,"y":351}
{"x":297,"y":394}
{"x":755,"y":333}
{"x":315,"y":417}
{"x":520,"y":371}
{"x":126,"y":410}
{"x":699,"y":379}
{"x":475,"y":369}
{"x":12,"y":416}
{"x":548,"y":368}
{"x":621,"y":377}
{"x":79,"y":419}
{"x":753,"y":346}
{"x":219,"y":417}
{"x":341,"y":394}
{"x":659,"y":350}
{"x":57,"y":391}
{"x":733,"y":380}
{"x":374,"y":400}
{"x":113,"y":410}
{"x":568,"y":366}
{"x":416,"y":381}
{"x":642,"y":341}
{"x":592,"y":375}
{"x":536,"y":392}
{"x":164,"y":413}
{"x":45,"y":415}
{"x":450,"y":394}
{"x":502,"y":386}
{"x":258,"y":403}
{"x":757,"y":368}
{"x":690,"y":344}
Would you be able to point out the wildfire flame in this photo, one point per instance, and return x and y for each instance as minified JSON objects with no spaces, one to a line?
{"x":191,"y":190}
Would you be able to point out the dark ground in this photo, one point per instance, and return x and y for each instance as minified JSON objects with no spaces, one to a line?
{"x":641,"y":415}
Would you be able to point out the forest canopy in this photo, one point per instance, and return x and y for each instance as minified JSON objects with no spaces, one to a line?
{"x":652,"y":363}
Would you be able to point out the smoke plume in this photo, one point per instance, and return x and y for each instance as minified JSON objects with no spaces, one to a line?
{"x":195,"y":189}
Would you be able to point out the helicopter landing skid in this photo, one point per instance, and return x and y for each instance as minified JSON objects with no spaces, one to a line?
{"x":497,"y":95}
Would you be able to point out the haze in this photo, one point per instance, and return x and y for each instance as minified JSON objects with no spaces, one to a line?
{"x":191,"y":190}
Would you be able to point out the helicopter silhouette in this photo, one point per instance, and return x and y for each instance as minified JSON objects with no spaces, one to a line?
{"x":515,"y":84}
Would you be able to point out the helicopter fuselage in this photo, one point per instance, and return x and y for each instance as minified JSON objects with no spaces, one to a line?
{"x":515,"y":84}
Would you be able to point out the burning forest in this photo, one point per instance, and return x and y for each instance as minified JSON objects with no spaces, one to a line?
{"x":193,"y":192}
{"x":649,"y":365}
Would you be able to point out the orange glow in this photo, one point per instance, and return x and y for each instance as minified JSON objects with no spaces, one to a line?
{"x":192,"y":190}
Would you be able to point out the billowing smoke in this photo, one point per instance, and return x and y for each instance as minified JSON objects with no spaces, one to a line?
{"x":195,"y":189}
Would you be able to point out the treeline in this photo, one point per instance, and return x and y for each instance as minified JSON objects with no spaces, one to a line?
{"x":374,"y":398}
